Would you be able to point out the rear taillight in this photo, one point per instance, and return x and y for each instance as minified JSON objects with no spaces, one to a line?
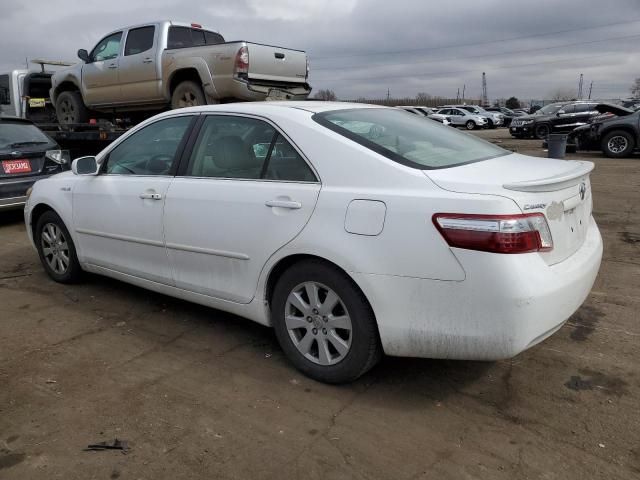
{"x":242,"y":63}
{"x":495,"y":233}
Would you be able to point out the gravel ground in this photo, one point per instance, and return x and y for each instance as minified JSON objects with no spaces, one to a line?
{"x":202,"y":394}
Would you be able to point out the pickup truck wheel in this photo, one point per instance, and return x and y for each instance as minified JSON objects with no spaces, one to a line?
{"x":617,"y":144}
{"x":187,"y":94}
{"x":70,"y":108}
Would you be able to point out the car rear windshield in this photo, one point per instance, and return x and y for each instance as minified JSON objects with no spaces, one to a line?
{"x":414,"y":141}
{"x":185,"y":37}
{"x":20,"y":135}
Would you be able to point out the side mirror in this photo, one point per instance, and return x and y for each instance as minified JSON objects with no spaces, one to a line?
{"x":83,"y":55}
{"x":85,"y":166}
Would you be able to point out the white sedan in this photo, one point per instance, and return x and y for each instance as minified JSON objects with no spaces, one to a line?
{"x":353,"y":230}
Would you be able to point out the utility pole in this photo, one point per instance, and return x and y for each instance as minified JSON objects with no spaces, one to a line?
{"x":464,"y":87}
{"x":388,"y":94}
{"x":485,"y":100}
{"x":590,"y":88}
{"x":458,"y":95}
{"x":580,"y":87}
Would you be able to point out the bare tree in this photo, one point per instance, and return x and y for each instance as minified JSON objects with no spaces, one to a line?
{"x":562,"y":94}
{"x":635,"y":88}
{"x":422,"y":98}
{"x":326,"y":95}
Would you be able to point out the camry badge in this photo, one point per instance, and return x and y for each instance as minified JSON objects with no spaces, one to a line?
{"x":530,"y":206}
{"x":583,"y":190}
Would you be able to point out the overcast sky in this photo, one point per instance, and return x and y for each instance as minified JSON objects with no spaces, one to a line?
{"x":362,"y":48}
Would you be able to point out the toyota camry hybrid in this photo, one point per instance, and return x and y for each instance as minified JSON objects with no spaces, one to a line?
{"x":352,"y":230}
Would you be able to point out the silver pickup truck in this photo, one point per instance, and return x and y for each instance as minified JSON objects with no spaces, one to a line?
{"x":155,"y":65}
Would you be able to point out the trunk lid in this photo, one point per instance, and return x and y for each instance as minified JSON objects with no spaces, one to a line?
{"x":276,"y":64}
{"x":559,"y":189}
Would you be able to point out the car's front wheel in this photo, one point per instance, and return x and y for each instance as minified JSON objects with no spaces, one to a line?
{"x":56,"y":249}
{"x":617,"y":144}
{"x":323,"y":323}
{"x":542,"y":131}
{"x":471,"y":125}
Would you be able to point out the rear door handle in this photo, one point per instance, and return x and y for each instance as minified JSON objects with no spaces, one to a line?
{"x":291,"y":204}
{"x":112,"y":66}
{"x":151,"y":196}
{"x":147,"y":60}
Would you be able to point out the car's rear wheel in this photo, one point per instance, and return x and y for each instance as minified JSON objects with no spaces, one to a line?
{"x":70,"y":108}
{"x":471,"y":125}
{"x":56,"y":249}
{"x":187,"y":94}
{"x":323,"y":323}
{"x":542,"y":131}
{"x":617,"y":144}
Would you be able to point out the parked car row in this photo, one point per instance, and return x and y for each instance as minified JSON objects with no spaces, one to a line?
{"x":613,"y":129}
{"x":470,"y":117}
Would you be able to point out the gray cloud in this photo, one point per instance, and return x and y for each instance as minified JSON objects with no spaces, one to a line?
{"x":434,"y":47}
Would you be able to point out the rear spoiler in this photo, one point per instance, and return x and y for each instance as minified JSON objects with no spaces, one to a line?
{"x":556,"y":182}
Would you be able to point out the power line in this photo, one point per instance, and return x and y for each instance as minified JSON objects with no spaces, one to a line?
{"x":404,"y":51}
{"x":487,"y":55}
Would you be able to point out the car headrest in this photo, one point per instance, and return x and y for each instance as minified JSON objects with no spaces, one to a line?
{"x":233,"y":153}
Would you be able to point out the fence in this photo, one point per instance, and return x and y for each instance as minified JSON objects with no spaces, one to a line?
{"x":422,"y":102}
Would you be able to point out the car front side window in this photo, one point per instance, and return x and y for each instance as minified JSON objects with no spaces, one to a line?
{"x":107,"y":49}
{"x":150,"y":151}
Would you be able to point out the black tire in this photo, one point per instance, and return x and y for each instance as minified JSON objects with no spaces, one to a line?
{"x":490,"y":124}
{"x":617,"y":144}
{"x":542,"y":131}
{"x":73,"y":272}
{"x":470,"y":125}
{"x":70,"y":108}
{"x":187,"y":94}
{"x":364,"y":350}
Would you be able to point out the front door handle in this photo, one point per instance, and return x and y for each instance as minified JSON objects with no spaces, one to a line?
{"x":151,"y":196}
{"x":147,"y":60}
{"x":291,"y":204}
{"x":112,"y":66}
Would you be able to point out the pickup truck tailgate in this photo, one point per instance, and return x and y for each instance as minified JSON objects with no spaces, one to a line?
{"x":276,"y":64}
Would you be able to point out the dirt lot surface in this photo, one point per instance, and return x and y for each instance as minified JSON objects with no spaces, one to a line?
{"x":203,"y":394}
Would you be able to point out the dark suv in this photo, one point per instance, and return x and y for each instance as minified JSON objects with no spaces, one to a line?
{"x":561,"y":117}
{"x":26,"y":155}
{"x":616,"y":132}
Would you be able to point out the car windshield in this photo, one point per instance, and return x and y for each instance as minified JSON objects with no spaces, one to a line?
{"x":549,"y":109}
{"x":18,"y":134}
{"x":407,"y":139}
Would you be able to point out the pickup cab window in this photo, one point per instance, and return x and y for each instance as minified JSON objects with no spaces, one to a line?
{"x":139,"y":40}
{"x":108,"y":48}
{"x":185,"y":37}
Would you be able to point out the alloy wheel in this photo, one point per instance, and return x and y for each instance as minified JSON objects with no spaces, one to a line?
{"x":617,"y":144}
{"x":55,"y":248}
{"x":68,"y":112}
{"x":318,"y":323}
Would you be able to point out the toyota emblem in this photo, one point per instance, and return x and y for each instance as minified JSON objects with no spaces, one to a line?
{"x":583,"y":190}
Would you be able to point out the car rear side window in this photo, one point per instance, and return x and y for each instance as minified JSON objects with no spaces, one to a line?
{"x":407,"y":139}
{"x":139,"y":40}
{"x":245,"y":148}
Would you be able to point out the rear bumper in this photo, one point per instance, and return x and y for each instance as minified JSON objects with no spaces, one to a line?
{"x":13,"y":192}
{"x":506,"y":304}
{"x":250,"y":90}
